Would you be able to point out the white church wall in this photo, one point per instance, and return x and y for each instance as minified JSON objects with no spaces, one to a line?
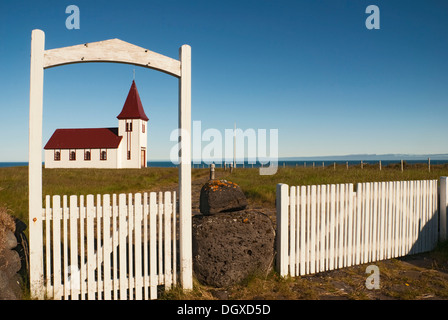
{"x":95,"y":161}
{"x":132,"y":140}
{"x":143,"y":140}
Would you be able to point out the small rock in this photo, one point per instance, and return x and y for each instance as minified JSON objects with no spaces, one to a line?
{"x":221,"y":196}
{"x":3,"y":280}
{"x":10,"y":262}
{"x":10,"y":240}
{"x":220,"y":294}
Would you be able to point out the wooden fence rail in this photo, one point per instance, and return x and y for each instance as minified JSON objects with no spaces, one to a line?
{"x":121,"y":247}
{"x":325,"y":227}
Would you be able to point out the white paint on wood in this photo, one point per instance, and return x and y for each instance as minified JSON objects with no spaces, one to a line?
{"x":73,"y":215}
{"x":48,"y":241}
{"x":83,"y":268}
{"x":138,"y":246}
{"x":57,"y":294}
{"x":389,"y":218}
{"x":107,"y":247}
{"x":322,"y":226}
{"x":118,"y":226}
{"x":292,"y":231}
{"x":114,"y":50}
{"x":312,"y":248}
{"x":160,"y":239}
{"x":340,"y":214}
{"x":374,"y":220}
{"x":130,"y":238}
{"x":145,"y":218}
{"x":332,"y":224}
{"x":302,"y":229}
{"x":115,"y":240}
{"x":123,"y":232}
{"x":350,"y":225}
{"x":378,"y":221}
{"x":65,"y":246}
{"x":382,"y":225}
{"x":186,"y":259}
{"x":91,"y":263}
{"x":316,"y":230}
{"x":98,"y":254}
{"x":153,"y":244}
{"x":282,"y":227}
{"x":308,"y":228}
{"x":174,"y":238}
{"x":104,"y":51}
{"x":35,"y":163}
{"x":358,"y":225}
{"x":167,"y":254}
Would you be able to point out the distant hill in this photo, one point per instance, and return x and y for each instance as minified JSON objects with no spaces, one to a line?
{"x":371,"y":157}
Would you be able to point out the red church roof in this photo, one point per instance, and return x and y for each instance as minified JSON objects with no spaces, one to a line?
{"x":133,"y":108}
{"x":95,"y":138}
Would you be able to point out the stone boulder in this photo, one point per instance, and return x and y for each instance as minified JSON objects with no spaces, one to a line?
{"x":10,"y":264}
{"x":221,"y":196}
{"x":10,"y":261}
{"x":229,"y":247}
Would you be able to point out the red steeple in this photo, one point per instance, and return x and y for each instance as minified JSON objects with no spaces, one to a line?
{"x":133,"y":108}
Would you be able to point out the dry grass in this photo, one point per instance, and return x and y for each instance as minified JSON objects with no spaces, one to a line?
{"x":409,"y":278}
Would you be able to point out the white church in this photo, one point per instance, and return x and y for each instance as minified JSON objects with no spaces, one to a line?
{"x":122,"y":147}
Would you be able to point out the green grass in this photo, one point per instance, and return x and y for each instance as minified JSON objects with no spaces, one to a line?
{"x":14,"y":183}
{"x":261,"y":189}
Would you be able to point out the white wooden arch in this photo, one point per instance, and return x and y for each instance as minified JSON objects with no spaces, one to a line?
{"x":115,"y":51}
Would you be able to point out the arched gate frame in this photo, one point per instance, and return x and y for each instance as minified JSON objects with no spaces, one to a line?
{"x":115,"y":51}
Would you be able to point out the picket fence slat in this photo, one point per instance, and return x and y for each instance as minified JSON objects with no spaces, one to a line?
{"x":145,"y":246}
{"x":325,"y":227}
{"x":167,"y":240}
{"x":48,"y":216}
{"x":109,"y":247}
{"x":153,"y":245}
{"x":57,"y":247}
{"x":74,"y":287}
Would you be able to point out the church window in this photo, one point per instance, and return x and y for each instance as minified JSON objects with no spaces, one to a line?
{"x":86,"y":154}
{"x":143,"y":128}
{"x":103,"y":155}
{"x":72,"y":155}
{"x":57,"y":155}
{"x":129,"y":126}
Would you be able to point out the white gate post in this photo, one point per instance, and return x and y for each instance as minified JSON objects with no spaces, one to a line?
{"x":443,"y":208}
{"x":35,"y":163}
{"x":282,"y":201}
{"x":186,"y":261}
{"x":117,"y":51}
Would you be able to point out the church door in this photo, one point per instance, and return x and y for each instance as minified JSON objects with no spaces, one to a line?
{"x":143,"y":158}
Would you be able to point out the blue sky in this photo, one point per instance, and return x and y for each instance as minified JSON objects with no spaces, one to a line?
{"x":310,"y":69}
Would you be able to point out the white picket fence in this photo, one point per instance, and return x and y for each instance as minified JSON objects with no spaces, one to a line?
{"x":121,"y":247}
{"x":325,"y":227}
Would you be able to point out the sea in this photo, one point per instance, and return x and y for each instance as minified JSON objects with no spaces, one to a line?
{"x":281,"y":163}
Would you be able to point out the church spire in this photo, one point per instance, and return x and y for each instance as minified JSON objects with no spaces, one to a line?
{"x":133,"y":108}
